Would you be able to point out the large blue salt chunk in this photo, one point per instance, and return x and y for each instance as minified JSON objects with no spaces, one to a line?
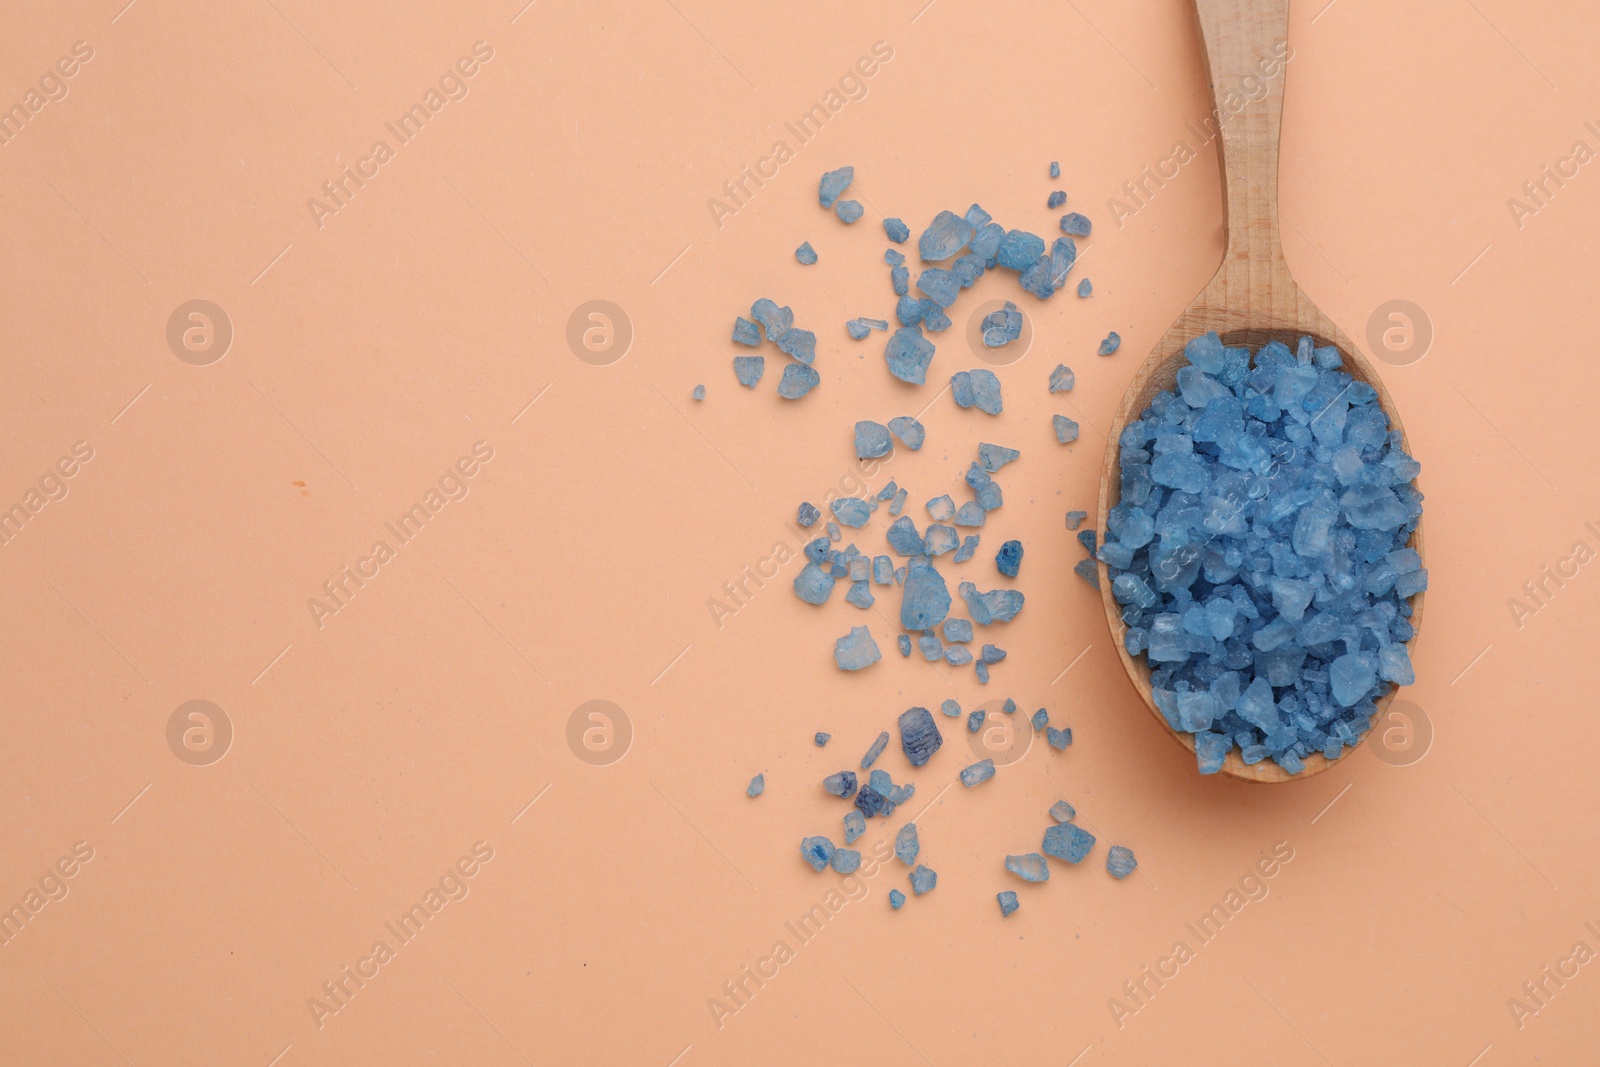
{"x":775,"y":319}
{"x":977,"y":388}
{"x":941,"y":508}
{"x":1019,"y":250}
{"x":944,"y":237}
{"x":833,"y":183}
{"x":1009,"y":558}
{"x":923,"y":879}
{"x":993,"y":457}
{"x":849,"y":211}
{"x":897,"y":230}
{"x":851,"y":510}
{"x":985,"y":490}
{"x":845,"y":860}
{"x":856,"y":650}
{"x":941,"y":539}
{"x":813,"y":584}
{"x":1075,"y":224}
{"x":970,"y":514}
{"x":841,"y":784}
{"x":919,"y":735}
{"x":798,"y":380}
{"x":817,"y":851}
{"x":1030,"y":867}
{"x":1067,"y":841}
{"x":978,"y":772}
{"x":1008,"y":902}
{"x":940,"y":285}
{"x":925,"y":599}
{"x":997,"y":605}
{"x":1063,"y":254}
{"x":1120,"y":861}
{"x":798,"y":344}
{"x":903,"y":538}
{"x":1066,"y":429}
{"x":1062,"y":379}
{"x":1351,"y":677}
{"x":908,"y":355}
{"x":749,"y":369}
{"x":986,"y":242}
{"x":1039,"y":278}
{"x":909,"y":430}
{"x":906,"y":845}
{"x":872,"y":440}
{"x":968,"y":269}
{"x":745,"y":332}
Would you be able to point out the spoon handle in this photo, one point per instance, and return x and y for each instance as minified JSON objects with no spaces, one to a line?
{"x":1247,"y":51}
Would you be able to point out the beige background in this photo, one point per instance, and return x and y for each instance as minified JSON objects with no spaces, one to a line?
{"x":371,"y":753}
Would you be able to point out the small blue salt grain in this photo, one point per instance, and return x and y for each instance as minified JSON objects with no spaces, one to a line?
{"x":994,"y":654}
{"x":1019,"y":250}
{"x":1008,"y":902}
{"x":985,"y":490}
{"x":849,"y":211}
{"x":876,"y":324}
{"x":882,"y":570}
{"x":941,"y":508}
{"x":958,"y":630}
{"x":873,"y":803}
{"x":977,"y":216}
{"x":798,"y":344}
{"x":923,"y":879}
{"x":851,"y":510}
{"x":975,"y":721}
{"x":845,"y":860}
{"x":1112,"y":342}
{"x":745,"y":332}
{"x":932,"y":651}
{"x":951,"y":707}
{"x":1055,"y":169}
{"x":699,"y":392}
{"x":896,"y":899}
{"x":822,"y":738}
{"x":887,"y":492}
{"x":894,"y":257}
{"x":940,"y":286}
{"x":1061,"y":811}
{"x":957,"y":656}
{"x":876,"y":750}
{"x":1009,"y":558}
{"x":1066,"y":429}
{"x":855,"y":824}
{"x":1009,"y":707}
{"x":857,"y":329}
{"x":1058,"y":738}
{"x":1086,"y":570}
{"x":749,"y":369}
{"x":1000,"y":328}
{"x":1056,"y":199}
{"x":860,"y":595}
{"x":977,"y":388}
{"x":909,"y":430}
{"x":978,"y":772}
{"x":903,"y":538}
{"x":758,"y":785}
{"x":919,"y":735}
{"x":872,"y":440}
{"x":905,"y":644}
{"x":1067,"y":841}
{"x":1120,"y":861}
{"x":968,"y":549}
{"x":906,"y":845}
{"x":807,"y":514}
{"x":1085,"y":287}
{"x":833,"y":183}
{"x":1075,"y":224}
{"x":817,"y":851}
{"x":898,"y":231}
{"x":798,"y":380}
{"x":993,"y":457}
{"x":981,"y":670}
{"x":898,"y":504}
{"x":926,"y":599}
{"x":775,"y":319}
{"x":813,"y":584}
{"x":946,"y":235}
{"x":970,"y":514}
{"x":1041,"y":718}
{"x":900,"y":282}
{"x":1061,"y":379}
{"x":833,"y":530}
{"x":908,"y":354}
{"x":997,"y":605}
{"x":1030,"y":867}
{"x":817,"y":550}
{"x":856,"y":650}
{"x":941,"y":539}
{"x":934,"y":317}
{"x":806,"y":254}
{"x":841,"y":784}
{"x":1075,"y":519}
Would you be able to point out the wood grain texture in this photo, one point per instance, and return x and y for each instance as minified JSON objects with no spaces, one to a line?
{"x":1252,"y":298}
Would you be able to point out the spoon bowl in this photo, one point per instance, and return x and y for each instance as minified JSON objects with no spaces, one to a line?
{"x":1252,"y":299}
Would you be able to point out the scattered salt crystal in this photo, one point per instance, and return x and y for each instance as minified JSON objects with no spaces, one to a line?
{"x":1030,"y":867}
{"x":806,"y":254}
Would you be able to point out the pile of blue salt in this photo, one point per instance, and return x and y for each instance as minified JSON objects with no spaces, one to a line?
{"x":1260,"y":552}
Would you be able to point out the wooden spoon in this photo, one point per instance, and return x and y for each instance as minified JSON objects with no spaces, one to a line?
{"x":1252,"y":299}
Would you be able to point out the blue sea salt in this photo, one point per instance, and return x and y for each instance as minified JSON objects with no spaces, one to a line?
{"x":1008,"y":902}
{"x":1066,"y":429}
{"x":1112,"y":342}
{"x":905,"y":644}
{"x":968,"y":549}
{"x":813,"y":584}
{"x":822,"y":738}
{"x":1062,"y":379}
{"x":1009,"y":707}
{"x":798,"y":380}
{"x":833,"y":531}
{"x":977,"y":216}
{"x":940,"y":285}
{"x":806,"y":254}
{"x":1030,"y":867}
{"x":925,"y":599}
{"x":856,"y":650}
{"x":851,"y":510}
{"x":980,"y":670}
{"x":1009,"y":558}
{"x":1058,"y":738}
{"x":818,"y":851}
{"x":932,"y":651}
{"x":841,"y":784}
{"x":951,"y":708}
{"x":934,"y":318}
{"x":1019,"y":250}
{"x":993,"y":654}
{"x":872,"y":440}
{"x":873,"y":803}
{"x":745,"y":332}
{"x":860,"y":594}
{"x":1086,"y":570}
{"x":970,"y":514}
{"x":985,"y":490}
{"x":1120,"y":861}
{"x":941,"y":539}
{"x":909,"y":430}
{"x":887,"y":492}
{"x":993,"y":457}
{"x":897,"y":230}
{"x":997,"y":605}
{"x":944,"y":237}
{"x":1056,"y":199}
{"x":775,"y":319}
{"x":849,"y":211}
{"x":1067,"y":841}
{"x":1075,"y":224}
{"x":894,"y":257}
{"x":976,"y":388}
{"x":807,"y":514}
{"x":900,"y":282}
{"x":1041,"y":718}
{"x":798,"y":344}
{"x":758,"y":785}
{"x":919,"y":735}
{"x":1061,"y":811}
{"x":876,"y":750}
{"x":903,"y":538}
{"x":896,"y":899}
{"x":958,"y":630}
{"x":1055,"y":169}
{"x":882,"y":570}
{"x":855,"y":824}
{"x":845,"y":860}
{"x":941,"y":508}
{"x":1002,"y":327}
{"x":749,"y":369}
{"x":1085,"y":287}
{"x":833,"y":183}
{"x":978,"y":772}
{"x":906,"y":845}
{"x":908,"y":354}
{"x":986,"y":242}
{"x":699,"y":392}
{"x":857,"y":329}
{"x":923,"y":879}
{"x":975,"y":720}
